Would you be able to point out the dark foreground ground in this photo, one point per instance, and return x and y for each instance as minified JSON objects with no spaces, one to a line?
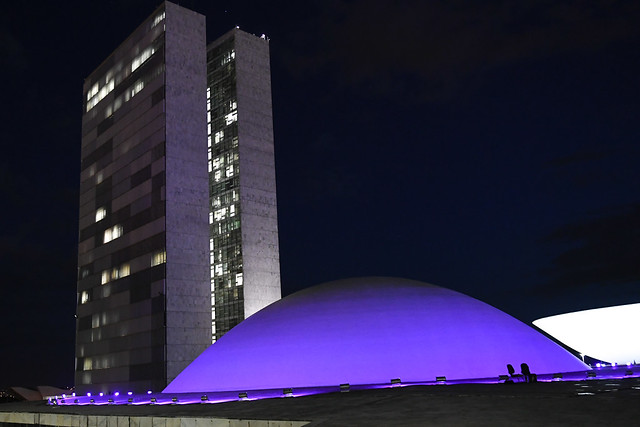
{"x":591,"y":402}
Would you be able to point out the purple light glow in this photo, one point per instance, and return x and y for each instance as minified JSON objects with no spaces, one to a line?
{"x":369,"y":331}
{"x":229,"y":396}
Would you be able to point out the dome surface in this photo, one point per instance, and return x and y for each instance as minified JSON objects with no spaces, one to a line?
{"x":369,"y":331}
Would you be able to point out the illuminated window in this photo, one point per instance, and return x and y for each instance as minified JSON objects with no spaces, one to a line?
{"x":100,"y":214}
{"x":219,"y":136}
{"x":157,"y":19}
{"x":84,"y":297}
{"x":228,"y":57}
{"x":123,"y":271}
{"x":96,"y":95}
{"x":231,"y":117}
{"x":220,"y":214}
{"x":115,"y":273}
{"x":137,"y":87}
{"x":141,"y":58}
{"x":158,"y":258}
{"x":87,"y":364}
{"x":238,"y":279}
{"x":112,"y":233}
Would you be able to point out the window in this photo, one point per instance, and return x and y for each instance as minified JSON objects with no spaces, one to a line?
{"x":158,"y":258}
{"x":141,"y":58}
{"x":100,"y":214}
{"x":84,"y":297}
{"x":158,"y":19}
{"x":112,"y":233}
{"x":231,"y":117}
{"x":115,"y":273}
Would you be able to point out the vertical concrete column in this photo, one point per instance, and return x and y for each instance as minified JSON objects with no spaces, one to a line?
{"x":188,"y":310}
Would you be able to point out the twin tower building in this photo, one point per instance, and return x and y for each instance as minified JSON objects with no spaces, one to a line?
{"x":178,"y":235}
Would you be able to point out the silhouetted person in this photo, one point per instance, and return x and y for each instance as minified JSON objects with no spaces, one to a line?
{"x":513,"y":377}
{"x":528,"y":376}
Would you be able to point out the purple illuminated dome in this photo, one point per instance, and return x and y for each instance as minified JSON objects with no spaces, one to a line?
{"x":369,"y":331}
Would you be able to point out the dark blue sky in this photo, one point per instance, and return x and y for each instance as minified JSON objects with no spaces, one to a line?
{"x":490,"y":148}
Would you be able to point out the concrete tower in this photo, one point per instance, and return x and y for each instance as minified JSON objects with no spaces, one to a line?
{"x":178,"y":236}
{"x":244,"y":255}
{"x":143,"y":287}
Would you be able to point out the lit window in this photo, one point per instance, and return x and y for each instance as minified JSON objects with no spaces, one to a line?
{"x":158,"y":258}
{"x":231,"y":117}
{"x":96,"y":95}
{"x":115,"y":273}
{"x":228,"y":57}
{"x":112,"y":233}
{"x":87,"y":364}
{"x":232,"y":210}
{"x":123,"y":271}
{"x":219,"y":136}
{"x":84,"y":297}
{"x":137,"y":87}
{"x":100,"y":214}
{"x":158,"y":19}
{"x":239,"y":279}
{"x":220,"y":214}
{"x":210,"y":217}
{"x":218,"y":162}
{"x":141,"y":58}
{"x":229,"y":171}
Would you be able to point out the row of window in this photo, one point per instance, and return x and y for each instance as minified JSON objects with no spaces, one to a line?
{"x":124,"y":270}
{"x":97,"y":92}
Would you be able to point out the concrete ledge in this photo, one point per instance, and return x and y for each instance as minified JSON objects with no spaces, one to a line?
{"x":73,"y":420}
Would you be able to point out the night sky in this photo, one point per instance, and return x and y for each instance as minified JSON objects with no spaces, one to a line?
{"x":488,"y":147}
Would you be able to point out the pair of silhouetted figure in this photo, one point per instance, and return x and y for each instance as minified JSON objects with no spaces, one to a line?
{"x":524,"y":377}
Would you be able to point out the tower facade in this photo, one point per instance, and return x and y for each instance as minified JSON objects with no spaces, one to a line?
{"x":244,"y":254}
{"x":143,"y":308}
{"x":178,"y":238}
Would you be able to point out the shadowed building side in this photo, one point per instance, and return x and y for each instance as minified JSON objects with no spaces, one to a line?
{"x":143,"y":298}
